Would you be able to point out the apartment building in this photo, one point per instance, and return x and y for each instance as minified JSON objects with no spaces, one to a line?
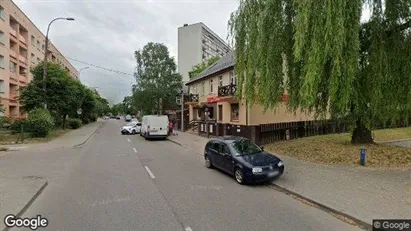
{"x":22,"y":46}
{"x":197,"y":43}
{"x":215,"y":109}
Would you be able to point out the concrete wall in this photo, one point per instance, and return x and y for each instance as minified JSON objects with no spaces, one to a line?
{"x":279,"y":115}
{"x":189,"y":49}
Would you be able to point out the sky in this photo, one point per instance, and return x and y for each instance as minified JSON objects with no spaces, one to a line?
{"x":107,"y":32}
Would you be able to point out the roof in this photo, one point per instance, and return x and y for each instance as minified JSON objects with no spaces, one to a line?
{"x":230,"y":138}
{"x":227,"y":61}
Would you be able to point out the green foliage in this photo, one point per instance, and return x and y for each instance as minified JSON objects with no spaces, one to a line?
{"x":4,"y":122}
{"x":17,"y":124}
{"x":156,"y":77}
{"x":197,"y":69}
{"x":40,"y":122}
{"x":328,"y":61}
{"x":74,"y":123}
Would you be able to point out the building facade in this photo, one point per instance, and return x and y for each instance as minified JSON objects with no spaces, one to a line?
{"x":22,"y":46}
{"x":215,"y":110}
{"x":197,"y":43}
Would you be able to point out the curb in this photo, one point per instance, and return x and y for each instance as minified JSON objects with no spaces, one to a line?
{"x":24,"y":209}
{"x":88,"y":138}
{"x":176,"y":143}
{"x":392,"y":141}
{"x":361,"y":224}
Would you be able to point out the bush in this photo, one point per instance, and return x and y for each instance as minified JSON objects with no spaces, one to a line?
{"x":40,"y":122}
{"x":74,"y":123}
{"x":16,"y":125}
{"x":85,"y":120}
{"x":4,"y":122}
{"x":93,"y":118}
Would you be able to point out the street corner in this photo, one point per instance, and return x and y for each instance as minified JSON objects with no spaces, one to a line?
{"x":17,"y":193}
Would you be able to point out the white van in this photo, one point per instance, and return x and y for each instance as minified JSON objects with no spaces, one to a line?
{"x":154,"y":126}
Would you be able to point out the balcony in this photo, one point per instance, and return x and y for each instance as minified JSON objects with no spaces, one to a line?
{"x":13,"y":54}
{"x":191,"y":98}
{"x":13,"y":79}
{"x":22,"y":60}
{"x":23,"y":79}
{"x":13,"y":32}
{"x":13,"y":96}
{"x":228,"y":90}
{"x":22,"y":39}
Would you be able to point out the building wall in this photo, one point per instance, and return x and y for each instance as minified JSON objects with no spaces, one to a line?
{"x":278,"y":115}
{"x":24,"y":45}
{"x":197,"y":43}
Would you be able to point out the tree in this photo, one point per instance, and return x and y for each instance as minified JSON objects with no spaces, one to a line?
{"x":328,"y":61}
{"x":156,"y":76}
{"x":197,"y":69}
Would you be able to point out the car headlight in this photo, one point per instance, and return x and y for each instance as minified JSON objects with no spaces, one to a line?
{"x":257,"y":170}
{"x":280,"y":164}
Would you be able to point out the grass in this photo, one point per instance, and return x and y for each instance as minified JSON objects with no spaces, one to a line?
{"x":6,"y":137}
{"x":337,"y":149}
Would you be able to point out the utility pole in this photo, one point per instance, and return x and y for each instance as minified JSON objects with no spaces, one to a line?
{"x":182,"y":110}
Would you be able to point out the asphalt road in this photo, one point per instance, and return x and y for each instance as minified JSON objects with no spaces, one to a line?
{"x":120,"y":182}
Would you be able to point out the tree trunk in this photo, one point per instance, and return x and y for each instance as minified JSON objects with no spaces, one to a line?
{"x":361,"y":134}
{"x":64,"y":122}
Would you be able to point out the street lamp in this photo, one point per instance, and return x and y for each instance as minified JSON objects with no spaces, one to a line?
{"x":46,"y":49}
{"x":79,"y":71}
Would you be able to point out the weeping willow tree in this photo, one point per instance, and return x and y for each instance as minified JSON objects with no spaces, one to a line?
{"x":329,"y":61}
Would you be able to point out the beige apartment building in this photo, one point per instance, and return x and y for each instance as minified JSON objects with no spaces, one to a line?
{"x":22,"y":46}
{"x":214,"y":109}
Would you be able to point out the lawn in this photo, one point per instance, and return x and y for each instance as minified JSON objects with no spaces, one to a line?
{"x":6,"y":137}
{"x":337,"y":149}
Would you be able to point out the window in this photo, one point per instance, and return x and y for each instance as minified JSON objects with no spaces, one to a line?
{"x":13,"y":67}
{"x":195,"y":89}
{"x":245,"y":147}
{"x":211,"y":86}
{"x":203,"y":88}
{"x":38,"y":43}
{"x":1,"y":12}
{"x":215,"y":146}
{"x":2,"y":37}
{"x":2,"y":61}
{"x":225,"y":149}
{"x":33,"y":58}
{"x":220,"y":112}
{"x":233,"y":79}
{"x":33,"y":40}
{"x":235,"y":113}
{"x":220,"y":81}
{"x":1,"y":86}
{"x":42,"y":47}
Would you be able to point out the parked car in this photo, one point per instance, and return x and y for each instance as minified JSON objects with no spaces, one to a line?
{"x":154,"y":126}
{"x":127,"y":118}
{"x":243,"y":159}
{"x":131,"y":128}
{"x":118,"y":118}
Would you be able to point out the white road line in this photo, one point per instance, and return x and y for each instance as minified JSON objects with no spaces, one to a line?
{"x":128,"y":140}
{"x":135,"y":150}
{"x":149,"y":172}
{"x":188,"y":229}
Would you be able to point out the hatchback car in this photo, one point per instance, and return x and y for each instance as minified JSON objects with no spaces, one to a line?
{"x":131,"y":128}
{"x":243,"y":159}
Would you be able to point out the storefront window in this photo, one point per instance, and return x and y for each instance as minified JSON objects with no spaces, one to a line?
{"x":235,"y":112}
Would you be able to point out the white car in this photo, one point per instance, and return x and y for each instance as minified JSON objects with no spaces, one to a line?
{"x":154,"y":126}
{"x":131,"y":128}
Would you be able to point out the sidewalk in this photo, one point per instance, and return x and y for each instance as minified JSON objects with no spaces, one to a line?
{"x":363,"y":193}
{"x":70,"y":139}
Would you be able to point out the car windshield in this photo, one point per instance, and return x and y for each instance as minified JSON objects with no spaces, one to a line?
{"x":245,"y":147}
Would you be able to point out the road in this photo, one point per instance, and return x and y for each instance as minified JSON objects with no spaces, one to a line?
{"x":120,"y":182}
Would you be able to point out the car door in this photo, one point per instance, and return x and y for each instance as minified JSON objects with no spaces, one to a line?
{"x":215,"y":154}
{"x":226,"y":158}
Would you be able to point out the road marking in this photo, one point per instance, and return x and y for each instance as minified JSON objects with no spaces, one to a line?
{"x":188,"y":229}
{"x":128,"y":140}
{"x":149,"y":172}
{"x":135,"y":150}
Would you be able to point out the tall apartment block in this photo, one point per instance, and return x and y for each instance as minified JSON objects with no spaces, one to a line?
{"x":197,"y":43}
{"x":21,"y":48}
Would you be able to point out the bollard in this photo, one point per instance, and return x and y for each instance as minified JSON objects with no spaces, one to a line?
{"x":363,"y":156}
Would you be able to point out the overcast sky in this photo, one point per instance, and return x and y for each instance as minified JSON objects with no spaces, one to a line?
{"x":107,"y":32}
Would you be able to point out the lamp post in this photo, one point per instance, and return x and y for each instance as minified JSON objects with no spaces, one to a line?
{"x":79,"y":71}
{"x":46,"y":50}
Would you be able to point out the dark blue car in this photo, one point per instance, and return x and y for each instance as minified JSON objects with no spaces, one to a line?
{"x":243,"y":159}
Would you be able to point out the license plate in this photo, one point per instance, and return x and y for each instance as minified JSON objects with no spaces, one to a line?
{"x":153,"y":130}
{"x":271,"y":174}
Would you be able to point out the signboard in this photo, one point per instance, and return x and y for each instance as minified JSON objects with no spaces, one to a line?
{"x":212,"y":99}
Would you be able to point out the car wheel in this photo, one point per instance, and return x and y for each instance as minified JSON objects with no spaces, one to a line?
{"x":239,"y":176}
{"x":134,"y":132}
{"x":207,"y":161}
{"x":145,"y":136}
